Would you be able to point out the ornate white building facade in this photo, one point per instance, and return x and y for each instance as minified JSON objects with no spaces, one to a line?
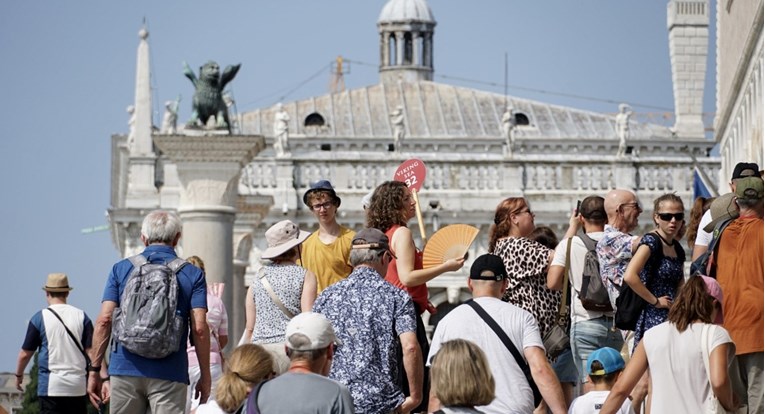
{"x":552,"y":156}
{"x":739,"y":120}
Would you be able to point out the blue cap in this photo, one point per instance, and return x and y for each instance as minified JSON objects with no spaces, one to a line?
{"x":323,"y":186}
{"x":610,"y":358}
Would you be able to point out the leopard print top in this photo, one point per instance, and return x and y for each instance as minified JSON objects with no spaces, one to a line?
{"x":526,"y":262}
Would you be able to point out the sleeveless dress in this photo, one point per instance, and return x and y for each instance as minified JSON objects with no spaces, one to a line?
{"x":418,"y":293}
{"x":661,"y":275}
{"x":270,"y":321}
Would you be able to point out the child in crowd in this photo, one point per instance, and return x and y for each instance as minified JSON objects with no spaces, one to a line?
{"x":604,"y":366}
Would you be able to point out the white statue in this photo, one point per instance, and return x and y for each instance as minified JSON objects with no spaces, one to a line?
{"x":623,"y":128}
{"x":397,"y":120}
{"x":281,"y":131}
{"x":508,"y":128}
{"x":131,"y":124}
{"x":170,"y":118}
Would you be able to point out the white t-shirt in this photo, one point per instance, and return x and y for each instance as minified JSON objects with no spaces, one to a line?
{"x":679,"y":379}
{"x":703,"y":238}
{"x":512,"y":392}
{"x":591,"y":403}
{"x":578,"y":250}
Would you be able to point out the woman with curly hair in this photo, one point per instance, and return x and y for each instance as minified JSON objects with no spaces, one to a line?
{"x":390,"y":208}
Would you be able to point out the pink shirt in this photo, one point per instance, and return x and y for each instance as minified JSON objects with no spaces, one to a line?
{"x":217,"y":319}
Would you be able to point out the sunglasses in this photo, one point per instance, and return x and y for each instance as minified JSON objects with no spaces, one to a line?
{"x":670,"y":216}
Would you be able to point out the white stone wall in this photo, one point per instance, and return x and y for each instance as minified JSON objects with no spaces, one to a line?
{"x":739,"y":119}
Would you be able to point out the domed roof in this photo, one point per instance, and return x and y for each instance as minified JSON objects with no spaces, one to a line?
{"x":406,"y":10}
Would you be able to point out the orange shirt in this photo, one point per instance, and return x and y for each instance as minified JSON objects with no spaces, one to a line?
{"x":739,"y":261}
{"x":418,"y":293}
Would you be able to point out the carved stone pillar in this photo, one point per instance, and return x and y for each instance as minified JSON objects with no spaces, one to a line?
{"x":399,"y":48}
{"x":250,"y":212}
{"x":416,"y":57}
{"x":208,"y":170}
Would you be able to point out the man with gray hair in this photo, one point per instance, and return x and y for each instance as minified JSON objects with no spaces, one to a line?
{"x":139,"y":381}
{"x":369,"y":314}
{"x":304,"y":388}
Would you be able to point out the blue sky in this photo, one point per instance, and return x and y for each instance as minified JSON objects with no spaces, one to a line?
{"x":69,"y":74}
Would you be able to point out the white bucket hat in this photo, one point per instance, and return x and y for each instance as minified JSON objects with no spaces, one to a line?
{"x":281,"y":237}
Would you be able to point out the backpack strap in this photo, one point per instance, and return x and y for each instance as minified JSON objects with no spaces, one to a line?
{"x":137,"y":261}
{"x":251,"y":402}
{"x":176,"y":264}
{"x":588,"y":241}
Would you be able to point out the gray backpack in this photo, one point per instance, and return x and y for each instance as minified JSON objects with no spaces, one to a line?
{"x":146,"y":322}
{"x":592,"y":293}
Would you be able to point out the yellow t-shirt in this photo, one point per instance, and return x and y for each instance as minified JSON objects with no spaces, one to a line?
{"x":329,"y":262}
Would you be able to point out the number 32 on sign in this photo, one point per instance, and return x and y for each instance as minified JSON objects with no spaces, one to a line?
{"x":412,"y":173}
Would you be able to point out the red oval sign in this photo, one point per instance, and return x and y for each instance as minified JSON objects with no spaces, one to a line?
{"x":411,"y":172}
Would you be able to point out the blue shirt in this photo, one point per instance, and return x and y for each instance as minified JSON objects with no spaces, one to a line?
{"x":366,"y":312}
{"x":192,"y":295}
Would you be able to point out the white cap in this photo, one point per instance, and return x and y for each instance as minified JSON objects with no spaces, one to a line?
{"x":313,"y":326}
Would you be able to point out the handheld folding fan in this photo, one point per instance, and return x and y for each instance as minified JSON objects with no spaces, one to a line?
{"x":451,"y":242}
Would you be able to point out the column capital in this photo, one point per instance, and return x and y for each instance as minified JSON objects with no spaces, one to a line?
{"x":209,"y":167}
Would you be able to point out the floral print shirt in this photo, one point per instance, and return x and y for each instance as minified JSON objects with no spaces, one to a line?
{"x":614,"y":253}
{"x":368,"y":315}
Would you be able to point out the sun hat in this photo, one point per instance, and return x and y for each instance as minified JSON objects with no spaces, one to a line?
{"x":312,"y":326}
{"x":714,"y":290}
{"x":367,"y":200}
{"x":57,"y":282}
{"x":281,"y":237}
{"x":488,"y":267}
{"x":722,"y":208}
{"x":323,"y":186}
{"x":609,"y":358}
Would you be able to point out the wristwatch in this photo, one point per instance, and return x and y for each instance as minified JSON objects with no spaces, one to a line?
{"x":94,"y":368}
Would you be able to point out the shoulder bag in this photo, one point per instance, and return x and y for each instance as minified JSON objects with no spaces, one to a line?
{"x":712,"y":404}
{"x":509,"y":344}
{"x":274,"y":297}
{"x":556,"y":339}
{"x":74,"y":339}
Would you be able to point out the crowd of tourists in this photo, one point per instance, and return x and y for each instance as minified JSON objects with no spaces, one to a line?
{"x":598,"y":321}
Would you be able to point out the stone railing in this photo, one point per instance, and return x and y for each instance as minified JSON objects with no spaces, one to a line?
{"x":476,"y":185}
{"x":329,"y":147}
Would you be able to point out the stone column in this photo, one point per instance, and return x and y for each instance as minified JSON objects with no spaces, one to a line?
{"x":399,"y":48}
{"x":416,"y":57}
{"x":236,"y":314}
{"x":251,"y":209}
{"x":208,"y":169}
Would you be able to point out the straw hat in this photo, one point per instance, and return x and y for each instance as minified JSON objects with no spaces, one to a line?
{"x":281,"y":237}
{"x":57,"y":282}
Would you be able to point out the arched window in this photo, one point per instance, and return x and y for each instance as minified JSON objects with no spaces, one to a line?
{"x":314,"y":119}
{"x":521,"y":119}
